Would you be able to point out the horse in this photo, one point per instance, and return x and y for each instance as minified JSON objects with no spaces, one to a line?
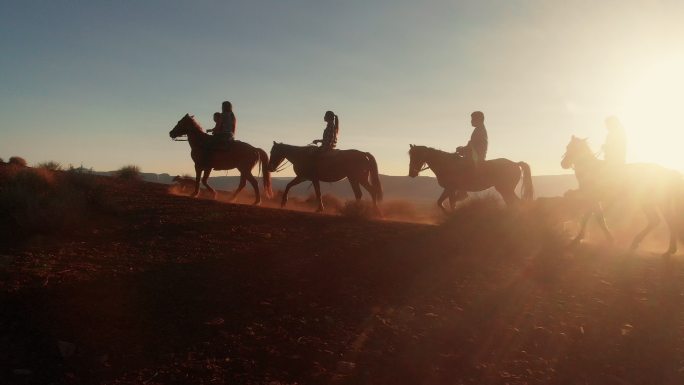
{"x":240,"y":155}
{"x":309,"y":163}
{"x":456,"y":175}
{"x":656,"y":189}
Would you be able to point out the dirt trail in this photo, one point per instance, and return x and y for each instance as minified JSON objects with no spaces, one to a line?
{"x":175,"y":290}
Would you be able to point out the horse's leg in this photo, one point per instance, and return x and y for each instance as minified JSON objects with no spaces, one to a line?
{"x":653,"y":221}
{"x":198,"y":176}
{"x":508,"y":196}
{"x":583,"y":226}
{"x":255,"y":185}
{"x":452,"y":200}
{"x":319,"y":198}
{"x":205,"y":182}
{"x":357,"y":190}
{"x":455,"y":197}
{"x":241,"y":185}
{"x":671,"y":224}
{"x":441,"y":199}
{"x":601,"y":220}
{"x":297,"y":180}
{"x":373,"y":193}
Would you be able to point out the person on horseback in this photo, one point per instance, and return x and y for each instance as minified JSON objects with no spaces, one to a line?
{"x":329,"y":141}
{"x":217,"y":124}
{"x":476,"y":149}
{"x":615,"y":148}
{"x":228,"y":122}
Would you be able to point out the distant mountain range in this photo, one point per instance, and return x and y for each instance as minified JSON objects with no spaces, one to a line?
{"x":421,"y":189}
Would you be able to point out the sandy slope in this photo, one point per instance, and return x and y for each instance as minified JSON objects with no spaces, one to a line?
{"x":175,"y":290}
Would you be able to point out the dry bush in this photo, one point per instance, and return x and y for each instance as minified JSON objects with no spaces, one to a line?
{"x":17,"y":161}
{"x":129,"y":172}
{"x":38,"y":201}
{"x":50,"y":165}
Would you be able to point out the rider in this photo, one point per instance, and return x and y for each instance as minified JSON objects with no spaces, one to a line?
{"x":476,"y":149}
{"x":479,"y":140}
{"x":217,"y":124}
{"x":228,"y":122}
{"x":615,"y":148}
{"x":329,"y":141}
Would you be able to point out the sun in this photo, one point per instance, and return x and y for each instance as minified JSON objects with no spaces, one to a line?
{"x":653,"y":114}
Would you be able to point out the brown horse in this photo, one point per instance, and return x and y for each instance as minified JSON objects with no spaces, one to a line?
{"x":456,"y":175}
{"x":238,"y":155}
{"x":310,"y":163}
{"x":656,"y":189}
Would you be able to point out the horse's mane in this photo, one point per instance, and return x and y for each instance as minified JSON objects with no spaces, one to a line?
{"x":426,"y":148}
{"x":584,"y":148}
{"x":194,"y":123}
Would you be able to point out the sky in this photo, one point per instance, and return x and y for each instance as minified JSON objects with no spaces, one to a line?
{"x":101,"y":83}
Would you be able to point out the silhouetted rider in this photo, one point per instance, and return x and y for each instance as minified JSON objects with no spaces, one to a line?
{"x":226,"y":127}
{"x":476,"y":149}
{"x":329,"y":141}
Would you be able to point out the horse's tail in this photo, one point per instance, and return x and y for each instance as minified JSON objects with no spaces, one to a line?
{"x":266,"y":173}
{"x":375,"y":176}
{"x":527,"y":192}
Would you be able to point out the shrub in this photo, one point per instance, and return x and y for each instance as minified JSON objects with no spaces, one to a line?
{"x":51,"y":165}
{"x":130,"y":172}
{"x":17,"y":161}
{"x":37,"y":201}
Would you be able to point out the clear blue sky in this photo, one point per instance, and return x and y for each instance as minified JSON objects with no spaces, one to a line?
{"x":102,"y":82}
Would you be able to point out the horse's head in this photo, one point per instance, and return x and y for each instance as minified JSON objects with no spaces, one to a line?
{"x":277,"y":156}
{"x":417,"y":160}
{"x":577,"y":150}
{"x":186,"y":125}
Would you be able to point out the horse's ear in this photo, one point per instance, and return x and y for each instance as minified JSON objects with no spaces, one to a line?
{"x":274,"y":142}
{"x":192,"y":116}
{"x":411,"y":145}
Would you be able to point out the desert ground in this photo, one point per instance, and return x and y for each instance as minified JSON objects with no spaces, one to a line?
{"x":144,"y":286}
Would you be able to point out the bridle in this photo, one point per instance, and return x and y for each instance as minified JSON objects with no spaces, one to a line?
{"x":283,"y":165}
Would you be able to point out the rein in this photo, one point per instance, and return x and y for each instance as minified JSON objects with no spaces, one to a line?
{"x":285,"y":164}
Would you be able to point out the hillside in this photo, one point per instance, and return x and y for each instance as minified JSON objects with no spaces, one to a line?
{"x":164,"y":289}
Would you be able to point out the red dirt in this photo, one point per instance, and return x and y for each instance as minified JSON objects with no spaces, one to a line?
{"x":176,"y":290}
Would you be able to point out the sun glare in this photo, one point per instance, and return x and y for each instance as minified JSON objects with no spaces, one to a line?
{"x":653,"y":114}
